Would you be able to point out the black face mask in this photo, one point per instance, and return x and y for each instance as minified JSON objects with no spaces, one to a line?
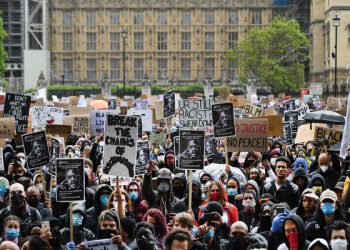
{"x":145,"y":243}
{"x":17,"y":199}
{"x":106,"y":233}
{"x":265,"y":223}
{"x":33,"y":202}
{"x":179,"y":191}
{"x":248,"y":163}
{"x":238,"y":242}
{"x":196,"y":197}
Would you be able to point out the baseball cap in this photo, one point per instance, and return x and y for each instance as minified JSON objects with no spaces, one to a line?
{"x":328,"y":194}
{"x":339,"y":186}
{"x":309,"y":193}
{"x":211,"y":207}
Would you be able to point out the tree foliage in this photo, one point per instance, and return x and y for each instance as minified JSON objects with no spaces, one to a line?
{"x":3,"y":54}
{"x":275,"y":55}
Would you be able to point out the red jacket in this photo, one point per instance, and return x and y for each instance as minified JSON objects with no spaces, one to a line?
{"x":232,"y":213}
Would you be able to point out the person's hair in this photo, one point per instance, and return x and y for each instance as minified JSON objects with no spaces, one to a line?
{"x":338,"y":225}
{"x":284,"y":159}
{"x":38,"y":243}
{"x":161,"y":224}
{"x":11,"y":217}
{"x":178,"y":235}
{"x":184,"y":219}
{"x":248,"y":191}
{"x":128,"y":224}
{"x":223,"y":196}
{"x":109,"y":215}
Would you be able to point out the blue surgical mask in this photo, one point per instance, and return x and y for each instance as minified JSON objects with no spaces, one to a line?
{"x":328,"y":208}
{"x":231,"y":191}
{"x":104,"y":200}
{"x":77,"y":219}
{"x":133,"y":196}
{"x":12,"y":233}
{"x":53,"y":192}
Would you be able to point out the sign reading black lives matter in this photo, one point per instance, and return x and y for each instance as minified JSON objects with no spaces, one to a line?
{"x":223,"y":120}
{"x":54,"y":154}
{"x":70,"y":179}
{"x":35,"y":147}
{"x":169,"y":103}
{"x":119,"y":154}
{"x":142,"y":157}
{"x":191,"y":149}
{"x":18,"y":106}
{"x":195,"y":113}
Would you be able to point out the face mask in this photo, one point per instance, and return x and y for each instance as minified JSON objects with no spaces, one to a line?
{"x":249,"y":162}
{"x":145,"y":243}
{"x":40,"y":186}
{"x":238,"y":242}
{"x":214,"y":196}
{"x":328,"y":208}
{"x":53,"y":192}
{"x":12,"y":233}
{"x":77,"y":152}
{"x":23,"y":161}
{"x":324,"y":168}
{"x":249,"y":203}
{"x":133,"y":196}
{"x":161,"y":158}
{"x":104,"y":200}
{"x":209,"y":234}
{"x":231,"y":191}
{"x":339,"y":244}
{"x":293,"y":240}
{"x":179,"y":191}
{"x":294,"y":157}
{"x":33,"y":202}
{"x":106,"y":233}
{"x":87,"y":171}
{"x":17,"y":199}
{"x":164,"y":187}
{"x":77,"y":220}
{"x":196,"y":196}
{"x":273,"y":161}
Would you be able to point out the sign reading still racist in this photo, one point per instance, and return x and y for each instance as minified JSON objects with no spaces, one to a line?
{"x":195,"y":113}
{"x":251,"y":134}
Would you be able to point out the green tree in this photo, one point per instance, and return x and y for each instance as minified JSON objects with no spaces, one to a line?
{"x":3,"y":54}
{"x":275,"y":55}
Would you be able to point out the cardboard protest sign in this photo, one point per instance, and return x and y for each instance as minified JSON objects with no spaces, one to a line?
{"x":7,"y":127}
{"x":112,"y":104}
{"x":270,"y":112}
{"x":61,"y":130}
{"x":191,"y":149}
{"x":142,"y":157}
{"x":79,"y":111}
{"x":73,"y":100}
{"x":70,"y":179}
{"x":223,"y":120}
{"x":142,"y":104}
{"x":327,"y":137}
{"x":251,"y":134}
{"x":275,"y":125}
{"x":292,"y":117}
{"x":287,"y":133}
{"x":36,"y":149}
{"x":169,"y":103}
{"x":54,"y":154}
{"x":305,"y":133}
{"x":17,"y":106}
{"x":80,"y":124}
{"x":238,"y":101}
{"x":253,"y":110}
{"x":146,"y":116}
{"x":119,"y":154}
{"x":41,"y":116}
{"x":100,"y":245}
{"x":195,"y":113}
{"x":159,"y":107}
{"x":303,"y":111}
{"x":238,"y":113}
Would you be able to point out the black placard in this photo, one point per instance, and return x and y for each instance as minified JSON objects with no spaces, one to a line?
{"x":191,"y":149}
{"x":223,"y":120}
{"x":35,"y":147}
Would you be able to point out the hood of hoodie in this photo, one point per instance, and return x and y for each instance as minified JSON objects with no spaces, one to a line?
{"x":300,"y":172}
{"x":245,"y":164}
{"x":301,"y":230}
{"x":256,"y":187}
{"x":76,"y":207}
{"x":180,"y":176}
{"x":138,"y":186}
{"x":195,"y":182}
{"x":98,"y":192}
{"x":238,"y":183}
{"x":275,"y":142}
{"x":301,"y":161}
{"x":314,"y":177}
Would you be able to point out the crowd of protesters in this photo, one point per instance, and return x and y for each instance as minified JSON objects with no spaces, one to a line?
{"x":291,"y":200}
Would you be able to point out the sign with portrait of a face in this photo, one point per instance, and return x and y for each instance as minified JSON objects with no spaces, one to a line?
{"x":223,"y":120}
{"x":142,"y":157}
{"x":191,"y":155}
{"x":169,"y":103}
{"x":36,"y":149}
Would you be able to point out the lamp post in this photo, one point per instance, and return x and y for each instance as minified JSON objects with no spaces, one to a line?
{"x":62,"y":79}
{"x":336,"y":24}
{"x":124,"y":36}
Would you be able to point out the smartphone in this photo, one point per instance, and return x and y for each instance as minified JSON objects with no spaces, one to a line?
{"x":265,"y":156}
{"x":45,"y":225}
{"x":279,"y":210}
{"x":210,"y":217}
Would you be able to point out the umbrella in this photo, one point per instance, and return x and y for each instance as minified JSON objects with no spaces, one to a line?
{"x":99,"y":104}
{"x":335,"y":148}
{"x":324,"y":116}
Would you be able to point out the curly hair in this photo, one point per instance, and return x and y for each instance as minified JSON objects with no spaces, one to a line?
{"x":161,"y":225}
{"x":223,"y":195}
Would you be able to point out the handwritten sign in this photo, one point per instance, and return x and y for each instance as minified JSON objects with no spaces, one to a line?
{"x":253,"y":110}
{"x":251,"y":134}
{"x":80,"y":124}
{"x":61,"y":130}
{"x":41,"y":116}
{"x":327,"y":137}
{"x":195,"y":113}
{"x":303,"y":111}
{"x":97,"y":119}
{"x":17,"y":106}
{"x":275,"y":125}
{"x":7,"y":127}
